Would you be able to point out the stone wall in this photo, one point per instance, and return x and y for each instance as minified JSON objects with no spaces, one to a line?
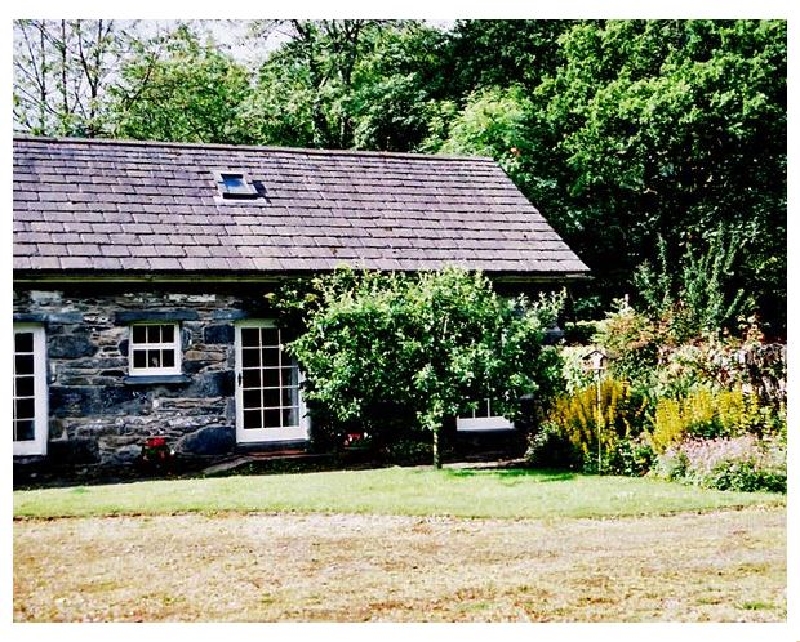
{"x":95,"y":415}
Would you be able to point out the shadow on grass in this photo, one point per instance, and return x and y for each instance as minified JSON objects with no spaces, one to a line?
{"x":506,"y":474}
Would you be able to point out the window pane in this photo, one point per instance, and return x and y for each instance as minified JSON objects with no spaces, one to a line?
{"x":139,"y":334}
{"x":289,"y":396}
{"x":154,"y":358}
{"x":269,"y":356}
{"x":251,"y":379}
{"x":250,"y":337}
{"x":272,"y":397}
{"x":168,"y":358}
{"x":250,"y":357}
{"x":23,"y":342}
{"x":251,"y":398}
{"x":167,"y":333}
{"x":271,"y":379}
{"x":483,"y":409}
{"x":289,"y":376}
{"x":269,"y":337}
{"x":153,"y":333}
{"x":272,"y":419}
{"x":24,"y":387}
{"x":139,"y":358}
{"x":23,"y":364}
{"x":233,"y":182}
{"x":291,"y":417}
{"x":252,"y":418}
{"x":24,"y":409}
{"x":23,"y":430}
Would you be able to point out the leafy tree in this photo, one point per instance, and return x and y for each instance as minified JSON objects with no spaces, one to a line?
{"x":63,"y":70}
{"x":703,"y":300}
{"x":340,"y":84}
{"x":433,"y":343}
{"x":487,"y":53}
{"x":669,"y":127}
{"x":190,"y":92}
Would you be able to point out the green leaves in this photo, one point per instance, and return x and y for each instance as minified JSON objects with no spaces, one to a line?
{"x":191,"y":93}
{"x":428,"y":344}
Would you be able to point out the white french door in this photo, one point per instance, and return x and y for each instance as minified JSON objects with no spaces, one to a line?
{"x":269,"y":406}
{"x":30,"y":390}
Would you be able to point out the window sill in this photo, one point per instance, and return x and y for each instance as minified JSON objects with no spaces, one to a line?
{"x":149,"y":380}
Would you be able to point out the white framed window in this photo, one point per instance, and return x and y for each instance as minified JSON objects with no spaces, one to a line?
{"x":154,"y":349}
{"x":232,"y":184}
{"x":30,"y":390}
{"x":481,"y":419}
{"x":269,"y":401}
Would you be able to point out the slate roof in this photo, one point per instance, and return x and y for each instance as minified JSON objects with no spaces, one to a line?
{"x":98,"y":206}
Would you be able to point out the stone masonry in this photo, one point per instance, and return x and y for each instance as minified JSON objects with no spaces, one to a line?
{"x":100,"y":416}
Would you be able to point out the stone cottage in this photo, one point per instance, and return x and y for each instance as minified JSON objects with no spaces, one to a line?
{"x":140,"y":270}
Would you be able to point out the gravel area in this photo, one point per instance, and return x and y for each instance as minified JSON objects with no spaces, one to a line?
{"x":728,"y":566}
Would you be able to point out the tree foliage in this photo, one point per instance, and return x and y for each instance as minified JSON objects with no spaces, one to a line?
{"x":189,"y":91}
{"x":621,"y":132}
{"x":62,"y":70}
{"x":433,"y":344}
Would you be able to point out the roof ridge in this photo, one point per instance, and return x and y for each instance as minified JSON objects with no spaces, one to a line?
{"x":128,"y":142}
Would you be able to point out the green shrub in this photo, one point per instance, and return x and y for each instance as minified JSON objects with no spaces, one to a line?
{"x":580,"y":333}
{"x":594,"y":419}
{"x":549,"y":447}
{"x":631,"y":457}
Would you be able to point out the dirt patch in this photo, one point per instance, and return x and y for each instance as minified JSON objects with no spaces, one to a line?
{"x":721,"y":567}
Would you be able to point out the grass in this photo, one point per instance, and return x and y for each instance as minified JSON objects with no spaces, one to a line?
{"x":399,"y":545}
{"x":500,"y":494}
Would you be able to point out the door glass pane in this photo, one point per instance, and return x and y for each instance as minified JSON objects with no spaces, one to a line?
{"x":251,"y":379}
{"x":23,"y":364}
{"x":24,"y":409}
{"x":252,"y":418}
{"x":251,"y":398}
{"x":250,"y":337}
{"x":272,"y":419}
{"x":24,"y":430}
{"x":289,"y":376}
{"x":250,"y":358}
{"x":24,"y":387}
{"x":290,"y":396}
{"x":23,"y":342}
{"x":269,"y":356}
{"x":272,"y":397}
{"x":271,"y":378}
{"x":291,"y":417}
{"x":269,"y":337}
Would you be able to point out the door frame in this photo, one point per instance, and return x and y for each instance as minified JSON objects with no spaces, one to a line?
{"x":265,"y":435}
{"x":38,"y":446}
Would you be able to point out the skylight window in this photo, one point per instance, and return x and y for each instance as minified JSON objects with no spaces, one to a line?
{"x":233,"y":184}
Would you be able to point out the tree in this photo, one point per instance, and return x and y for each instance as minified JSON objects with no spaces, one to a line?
{"x":488,"y":53}
{"x":343,"y":84}
{"x":668,"y":128}
{"x":432,"y":343}
{"x":188,"y":92}
{"x":62,"y":72}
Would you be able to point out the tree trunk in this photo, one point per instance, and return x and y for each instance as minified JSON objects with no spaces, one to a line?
{"x":437,"y":458}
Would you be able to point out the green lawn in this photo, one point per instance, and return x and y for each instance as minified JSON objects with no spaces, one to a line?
{"x":397,"y":491}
